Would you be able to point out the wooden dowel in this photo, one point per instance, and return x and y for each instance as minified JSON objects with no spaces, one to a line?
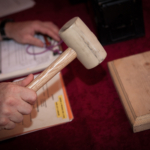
{"x":63,"y":60}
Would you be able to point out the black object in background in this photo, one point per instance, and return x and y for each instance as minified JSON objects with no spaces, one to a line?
{"x":77,"y":1}
{"x":118,"y":20}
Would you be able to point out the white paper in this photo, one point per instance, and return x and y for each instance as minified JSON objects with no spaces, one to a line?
{"x":12,"y":6}
{"x":15,"y":61}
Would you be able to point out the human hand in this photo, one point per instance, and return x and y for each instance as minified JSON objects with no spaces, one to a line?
{"x":23,"y":32}
{"x":15,"y":101}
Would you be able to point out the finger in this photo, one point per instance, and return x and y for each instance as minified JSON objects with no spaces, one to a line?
{"x":28,"y":95}
{"x":49,"y":31}
{"x":21,"y":94}
{"x":10,"y":125}
{"x":25,"y":81}
{"x":22,"y":105}
{"x":16,"y":117}
{"x":33,"y":41}
{"x":3,"y":121}
{"x":51,"y":26}
{"x":24,"y":108}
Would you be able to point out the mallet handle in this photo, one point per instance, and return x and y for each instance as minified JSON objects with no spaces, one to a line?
{"x":63,"y":60}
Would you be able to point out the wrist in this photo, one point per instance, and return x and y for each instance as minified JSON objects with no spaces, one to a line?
{"x":8,"y":29}
{"x":5,"y":28}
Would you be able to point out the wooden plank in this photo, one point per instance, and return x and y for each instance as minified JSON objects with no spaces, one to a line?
{"x":131,"y":76}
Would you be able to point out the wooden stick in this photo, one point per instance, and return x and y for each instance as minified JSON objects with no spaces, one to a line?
{"x":63,"y":60}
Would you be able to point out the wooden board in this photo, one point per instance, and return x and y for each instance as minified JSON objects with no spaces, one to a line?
{"x":131,"y":77}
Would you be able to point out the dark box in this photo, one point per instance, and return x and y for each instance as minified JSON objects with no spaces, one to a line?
{"x":118,"y":20}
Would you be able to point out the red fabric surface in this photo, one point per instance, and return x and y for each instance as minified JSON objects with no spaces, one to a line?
{"x":100,"y":122}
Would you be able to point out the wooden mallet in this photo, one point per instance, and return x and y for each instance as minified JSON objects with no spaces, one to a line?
{"x":82,"y":44}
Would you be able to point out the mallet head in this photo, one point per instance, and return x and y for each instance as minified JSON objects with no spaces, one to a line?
{"x":78,"y":37}
{"x":82,"y":44}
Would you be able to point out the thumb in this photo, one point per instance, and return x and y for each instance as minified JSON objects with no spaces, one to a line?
{"x":25,"y":81}
{"x":34,"y":41}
